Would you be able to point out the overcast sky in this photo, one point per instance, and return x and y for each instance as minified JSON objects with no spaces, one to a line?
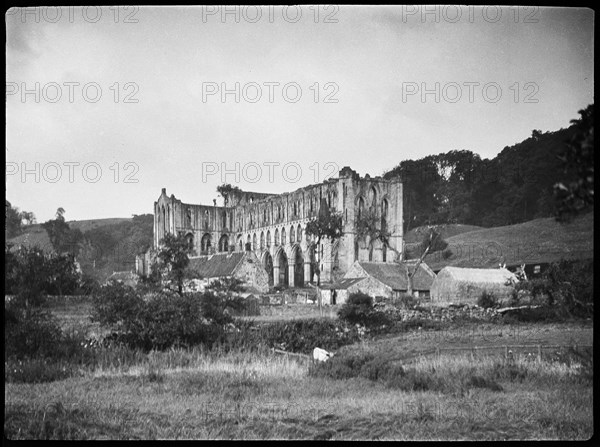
{"x":114,"y":104}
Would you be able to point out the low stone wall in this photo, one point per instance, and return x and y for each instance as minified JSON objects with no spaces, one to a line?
{"x":436,"y":313}
{"x":298,"y":311}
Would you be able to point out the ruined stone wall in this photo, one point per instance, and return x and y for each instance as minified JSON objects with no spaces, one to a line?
{"x":274,"y":226}
{"x":252,"y":273}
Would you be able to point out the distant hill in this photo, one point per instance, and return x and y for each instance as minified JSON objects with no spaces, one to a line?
{"x":416,"y":234}
{"x":537,"y":241}
{"x":33,"y":236}
{"x":107,"y":245}
{"x":90,"y":224}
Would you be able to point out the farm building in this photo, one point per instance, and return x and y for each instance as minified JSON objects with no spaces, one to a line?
{"x":465,"y":285}
{"x":242,"y":265}
{"x":379,"y":280}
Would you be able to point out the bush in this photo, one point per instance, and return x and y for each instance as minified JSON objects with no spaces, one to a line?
{"x":304,"y":335}
{"x":567,"y":286}
{"x":359,"y":309}
{"x":163,"y":319}
{"x":447,"y":253}
{"x":34,"y":333}
{"x":487,"y":300}
{"x":406,"y":301}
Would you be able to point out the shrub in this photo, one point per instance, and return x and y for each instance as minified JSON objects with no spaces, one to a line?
{"x":359,"y":309}
{"x":447,"y":253}
{"x":406,"y":301}
{"x":487,"y":300}
{"x":304,"y":335}
{"x":163,"y":319}
{"x":34,"y":333}
{"x":567,"y":286}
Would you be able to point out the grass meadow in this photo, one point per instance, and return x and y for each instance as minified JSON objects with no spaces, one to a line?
{"x":199,"y":394}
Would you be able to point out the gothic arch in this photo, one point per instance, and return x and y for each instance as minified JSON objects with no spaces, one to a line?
{"x":372,"y":197}
{"x":189,"y":238}
{"x":360,"y":206}
{"x":223,"y":243}
{"x":205,"y":243}
{"x":281,"y":261}
{"x":267,"y":263}
{"x":298,"y":258}
{"x":385,"y":211}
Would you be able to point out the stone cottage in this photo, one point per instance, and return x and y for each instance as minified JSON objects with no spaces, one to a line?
{"x":380,"y":280}
{"x":242,"y":265}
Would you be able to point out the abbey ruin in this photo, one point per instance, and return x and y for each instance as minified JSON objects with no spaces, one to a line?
{"x":272,"y":227}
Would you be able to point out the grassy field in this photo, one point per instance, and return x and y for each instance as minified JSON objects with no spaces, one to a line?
{"x":536,"y":241}
{"x":195,"y":394}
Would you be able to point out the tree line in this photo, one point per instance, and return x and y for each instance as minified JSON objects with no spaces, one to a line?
{"x":548,"y":174}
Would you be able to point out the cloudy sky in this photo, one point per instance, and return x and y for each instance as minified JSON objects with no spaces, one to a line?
{"x":105,"y":106}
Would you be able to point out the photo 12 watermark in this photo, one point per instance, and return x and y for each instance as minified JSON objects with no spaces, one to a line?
{"x":272,"y":171}
{"x":73,"y":91}
{"x":469,"y":14}
{"x":71,"y":172}
{"x":75,"y":14}
{"x":271,"y":14}
{"x":470,"y":92}
{"x":269,"y":91}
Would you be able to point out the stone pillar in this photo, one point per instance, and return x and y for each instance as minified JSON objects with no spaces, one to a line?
{"x":275,"y":275}
{"x":307,"y":277}
{"x":291,"y":275}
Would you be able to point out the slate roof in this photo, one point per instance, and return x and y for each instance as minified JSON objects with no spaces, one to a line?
{"x":217,"y":265}
{"x":342,"y":284}
{"x":485,"y":276}
{"x":396,"y":275}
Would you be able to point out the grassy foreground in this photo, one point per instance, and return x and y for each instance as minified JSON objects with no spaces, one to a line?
{"x":196,"y":395}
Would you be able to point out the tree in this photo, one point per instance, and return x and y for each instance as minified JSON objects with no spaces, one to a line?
{"x":63,"y":238}
{"x":63,"y":277}
{"x":326,"y":225}
{"x":369,"y":226}
{"x":431,"y":240}
{"x":578,"y":157}
{"x":173,"y":255}
{"x":12,"y":221}
{"x":226,"y":190}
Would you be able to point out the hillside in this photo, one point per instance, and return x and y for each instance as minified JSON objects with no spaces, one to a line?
{"x":105,"y":245}
{"x":91,"y":224}
{"x":446,"y":231}
{"x":33,"y":236}
{"x":515,"y":186}
{"x":537,"y":241}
